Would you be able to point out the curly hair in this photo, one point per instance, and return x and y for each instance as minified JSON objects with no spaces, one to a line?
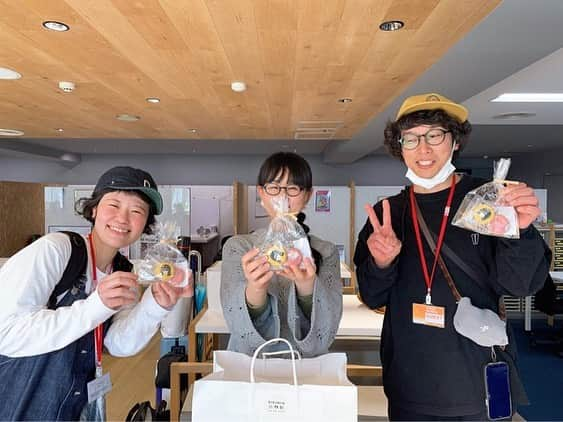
{"x":460,"y":131}
{"x":85,"y":206}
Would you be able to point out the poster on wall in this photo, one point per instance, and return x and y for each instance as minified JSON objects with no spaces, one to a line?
{"x":322,"y":201}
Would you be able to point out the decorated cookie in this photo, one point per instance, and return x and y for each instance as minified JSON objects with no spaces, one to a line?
{"x":276,"y":255}
{"x":483,"y":213}
{"x":164,"y":271}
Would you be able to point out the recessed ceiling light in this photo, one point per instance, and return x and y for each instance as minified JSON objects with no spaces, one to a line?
{"x":59,"y":129}
{"x":345,"y":100}
{"x":485,"y":156}
{"x":547,"y":173}
{"x":6,"y":73}
{"x":56,"y":26}
{"x":393,"y":25}
{"x":530,"y":97}
{"x":153,"y":100}
{"x":10,"y":132}
{"x":514,"y":116}
{"x":530,"y":145}
{"x":127,"y":117}
{"x":238,"y":86}
{"x":192,"y":130}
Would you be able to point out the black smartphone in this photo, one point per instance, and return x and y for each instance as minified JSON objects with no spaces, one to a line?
{"x":497,"y":387}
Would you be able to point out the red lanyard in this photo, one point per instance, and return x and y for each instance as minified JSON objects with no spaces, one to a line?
{"x":429,"y":278}
{"x":99,"y":330}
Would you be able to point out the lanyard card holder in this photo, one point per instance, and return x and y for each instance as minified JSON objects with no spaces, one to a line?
{"x":497,"y":388}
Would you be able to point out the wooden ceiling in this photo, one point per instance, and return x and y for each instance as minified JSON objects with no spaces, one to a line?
{"x":297,"y":57}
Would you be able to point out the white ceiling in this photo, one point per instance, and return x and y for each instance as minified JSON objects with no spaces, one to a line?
{"x":517,"y":48}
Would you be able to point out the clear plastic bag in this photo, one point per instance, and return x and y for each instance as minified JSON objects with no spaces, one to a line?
{"x":483,"y":210}
{"x":163,"y":261}
{"x":285,"y":241}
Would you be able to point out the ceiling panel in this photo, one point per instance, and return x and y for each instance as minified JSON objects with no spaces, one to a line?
{"x":297,"y":57}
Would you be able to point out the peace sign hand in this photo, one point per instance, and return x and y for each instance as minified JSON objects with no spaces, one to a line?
{"x":383,"y":244}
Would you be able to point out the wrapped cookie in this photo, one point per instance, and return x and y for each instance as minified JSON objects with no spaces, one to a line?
{"x":483,"y":210}
{"x":285,"y":241}
{"x":164,"y":261}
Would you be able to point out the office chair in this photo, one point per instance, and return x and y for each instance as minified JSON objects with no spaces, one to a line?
{"x":549,"y":300}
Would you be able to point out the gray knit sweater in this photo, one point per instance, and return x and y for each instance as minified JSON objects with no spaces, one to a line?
{"x":283,"y":317}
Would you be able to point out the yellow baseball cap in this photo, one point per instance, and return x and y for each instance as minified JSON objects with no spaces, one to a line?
{"x":432,"y":101}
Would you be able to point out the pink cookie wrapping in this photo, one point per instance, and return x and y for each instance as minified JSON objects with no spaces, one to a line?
{"x":499,"y":224}
{"x":294,"y":256}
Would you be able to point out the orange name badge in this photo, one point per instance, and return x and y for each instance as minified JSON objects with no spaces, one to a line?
{"x":428,"y":315}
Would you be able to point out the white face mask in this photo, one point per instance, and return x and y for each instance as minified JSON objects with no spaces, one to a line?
{"x":447,"y":169}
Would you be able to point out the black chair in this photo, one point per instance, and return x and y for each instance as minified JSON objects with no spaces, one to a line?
{"x":549,"y":300}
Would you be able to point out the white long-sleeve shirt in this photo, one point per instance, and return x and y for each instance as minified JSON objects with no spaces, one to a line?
{"x":28,"y":328}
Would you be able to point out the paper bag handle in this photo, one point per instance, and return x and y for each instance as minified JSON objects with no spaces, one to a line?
{"x":274,"y":340}
{"x":282,"y":352}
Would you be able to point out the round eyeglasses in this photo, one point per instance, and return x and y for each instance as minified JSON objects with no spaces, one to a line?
{"x":432,"y":137}
{"x":274,"y":189}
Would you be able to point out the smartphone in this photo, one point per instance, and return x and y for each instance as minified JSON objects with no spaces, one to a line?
{"x":497,"y":387}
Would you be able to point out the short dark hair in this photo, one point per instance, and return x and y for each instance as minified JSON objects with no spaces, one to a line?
{"x":85,"y":206}
{"x":297,"y":168}
{"x":460,"y":131}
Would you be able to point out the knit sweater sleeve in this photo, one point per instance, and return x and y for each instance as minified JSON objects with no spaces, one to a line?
{"x":314,"y":336}
{"x":246,"y":334}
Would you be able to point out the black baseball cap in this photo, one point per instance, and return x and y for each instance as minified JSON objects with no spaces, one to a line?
{"x":129,"y":178}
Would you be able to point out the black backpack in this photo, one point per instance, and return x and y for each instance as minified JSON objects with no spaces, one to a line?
{"x":143,"y":411}
{"x":75,"y":270}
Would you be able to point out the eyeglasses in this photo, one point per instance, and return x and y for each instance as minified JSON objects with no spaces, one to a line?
{"x":432,"y":137}
{"x":274,"y":189}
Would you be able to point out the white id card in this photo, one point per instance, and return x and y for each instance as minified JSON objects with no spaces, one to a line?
{"x":98,"y":387}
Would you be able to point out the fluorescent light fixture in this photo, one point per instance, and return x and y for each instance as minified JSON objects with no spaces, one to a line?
{"x":11,"y":132}
{"x":530,"y":97}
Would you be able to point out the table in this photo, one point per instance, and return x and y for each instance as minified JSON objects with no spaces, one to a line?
{"x":358,"y":321}
{"x":557,"y":277}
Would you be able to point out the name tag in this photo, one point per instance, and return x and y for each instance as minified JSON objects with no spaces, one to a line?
{"x":430,"y":315}
{"x":98,"y":387}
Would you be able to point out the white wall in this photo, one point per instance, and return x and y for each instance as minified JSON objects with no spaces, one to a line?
{"x":199,"y":169}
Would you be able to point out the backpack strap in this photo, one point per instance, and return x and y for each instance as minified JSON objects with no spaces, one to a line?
{"x":75,"y":267}
{"x":120,"y":263}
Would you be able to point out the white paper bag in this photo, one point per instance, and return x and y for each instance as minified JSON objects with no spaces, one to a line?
{"x":243,"y":389}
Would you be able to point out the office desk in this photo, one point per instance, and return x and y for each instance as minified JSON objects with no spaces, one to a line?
{"x":557,"y":277}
